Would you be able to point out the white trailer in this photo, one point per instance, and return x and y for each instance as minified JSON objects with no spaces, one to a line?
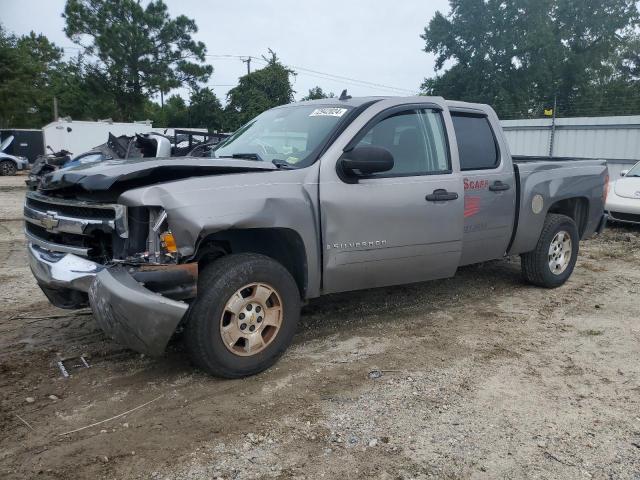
{"x":80,"y":136}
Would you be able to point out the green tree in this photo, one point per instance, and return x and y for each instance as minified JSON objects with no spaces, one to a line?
{"x":517,"y":55}
{"x":139,"y":50}
{"x":258,"y":91}
{"x":26,"y":66}
{"x":82,"y":91}
{"x":206,"y":110}
{"x":176,"y":112}
{"x":316,"y":93}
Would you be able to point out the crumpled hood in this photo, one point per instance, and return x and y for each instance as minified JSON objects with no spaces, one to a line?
{"x":628,"y":187}
{"x":115,"y":176}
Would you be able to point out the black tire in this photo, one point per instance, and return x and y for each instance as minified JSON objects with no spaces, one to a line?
{"x":7,"y":168}
{"x":217,"y":283}
{"x":535,"y":264}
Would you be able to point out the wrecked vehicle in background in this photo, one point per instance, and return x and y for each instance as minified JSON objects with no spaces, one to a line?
{"x":44,"y":164}
{"x":305,"y":200}
{"x":10,"y":164}
{"x":148,"y":145}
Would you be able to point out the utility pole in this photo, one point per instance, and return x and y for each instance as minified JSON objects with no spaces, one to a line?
{"x":553,"y":125}
{"x":55,"y":109}
{"x":248,"y":62}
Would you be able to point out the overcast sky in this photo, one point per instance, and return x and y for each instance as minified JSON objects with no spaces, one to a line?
{"x":376,"y":42}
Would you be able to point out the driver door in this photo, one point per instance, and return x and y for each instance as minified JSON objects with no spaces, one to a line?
{"x":384,"y":230}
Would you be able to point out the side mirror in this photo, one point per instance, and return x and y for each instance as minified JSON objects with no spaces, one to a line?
{"x":363,"y":161}
{"x":623,"y":173}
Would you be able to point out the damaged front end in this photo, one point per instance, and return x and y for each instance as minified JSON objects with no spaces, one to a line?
{"x":128,"y":305}
{"x":122,"y":261}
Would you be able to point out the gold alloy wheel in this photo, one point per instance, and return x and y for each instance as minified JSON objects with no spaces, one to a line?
{"x":251,"y":319}
{"x":560,"y":252}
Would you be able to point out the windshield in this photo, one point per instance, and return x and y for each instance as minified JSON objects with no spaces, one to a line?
{"x":290,"y":134}
{"x":635,"y":171}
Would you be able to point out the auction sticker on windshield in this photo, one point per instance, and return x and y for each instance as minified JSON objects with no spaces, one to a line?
{"x":328,"y":112}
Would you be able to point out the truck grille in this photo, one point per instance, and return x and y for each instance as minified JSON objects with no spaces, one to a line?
{"x":73,"y":226}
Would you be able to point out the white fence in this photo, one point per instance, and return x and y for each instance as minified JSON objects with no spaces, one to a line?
{"x":616,"y":139}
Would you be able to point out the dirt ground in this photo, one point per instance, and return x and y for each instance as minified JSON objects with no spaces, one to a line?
{"x":482,"y":376}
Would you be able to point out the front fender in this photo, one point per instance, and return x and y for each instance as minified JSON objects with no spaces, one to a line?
{"x":199,"y":207}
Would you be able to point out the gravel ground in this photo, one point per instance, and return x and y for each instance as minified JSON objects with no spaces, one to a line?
{"x":479,"y":376}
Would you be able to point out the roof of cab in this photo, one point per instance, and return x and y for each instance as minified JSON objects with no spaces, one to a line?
{"x":358,"y":101}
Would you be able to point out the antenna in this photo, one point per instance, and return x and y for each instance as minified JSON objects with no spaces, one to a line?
{"x":344,"y":95}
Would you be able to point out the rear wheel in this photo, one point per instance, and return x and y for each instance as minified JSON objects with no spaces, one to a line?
{"x":244,"y":317}
{"x":7,"y":167}
{"x":555,"y":255}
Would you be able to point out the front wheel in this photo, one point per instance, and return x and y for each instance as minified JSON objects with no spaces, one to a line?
{"x":244,"y":316}
{"x":552,"y":262}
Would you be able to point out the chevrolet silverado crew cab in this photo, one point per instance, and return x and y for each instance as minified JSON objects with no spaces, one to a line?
{"x":304,"y":200}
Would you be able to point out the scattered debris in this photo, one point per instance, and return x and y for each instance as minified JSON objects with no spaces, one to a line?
{"x":49,"y":317}
{"x":112,"y":418}
{"x":553,"y":457}
{"x":64,"y":369}
{"x":30,"y":399}
{"x":373,"y":374}
{"x":24,"y":421}
{"x":53,"y":397}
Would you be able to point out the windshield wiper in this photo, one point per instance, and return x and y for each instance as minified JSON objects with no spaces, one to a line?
{"x":282,"y":165}
{"x":245,"y":156}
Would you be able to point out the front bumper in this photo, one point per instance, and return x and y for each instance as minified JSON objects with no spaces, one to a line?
{"x":61,"y":270}
{"x":128,"y":312}
{"x":623,"y":209}
{"x":131,"y":314}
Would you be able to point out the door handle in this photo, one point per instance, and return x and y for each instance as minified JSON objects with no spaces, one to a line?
{"x":441,"y":195}
{"x":498,"y":186}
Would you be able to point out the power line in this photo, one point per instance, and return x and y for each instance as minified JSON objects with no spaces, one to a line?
{"x":305,"y":72}
{"x":323,"y":75}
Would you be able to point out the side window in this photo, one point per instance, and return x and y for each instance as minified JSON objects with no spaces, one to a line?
{"x":415,"y":138}
{"x":476,"y":144}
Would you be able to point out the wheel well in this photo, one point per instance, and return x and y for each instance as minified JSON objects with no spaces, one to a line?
{"x":576,"y":208}
{"x":282,"y":244}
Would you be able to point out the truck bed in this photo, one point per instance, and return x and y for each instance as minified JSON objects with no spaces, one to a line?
{"x":555,"y":179}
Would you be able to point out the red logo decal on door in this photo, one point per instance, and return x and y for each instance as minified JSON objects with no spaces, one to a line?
{"x":471,"y":205}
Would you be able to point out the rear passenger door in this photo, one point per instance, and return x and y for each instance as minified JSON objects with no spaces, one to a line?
{"x":489,"y":188}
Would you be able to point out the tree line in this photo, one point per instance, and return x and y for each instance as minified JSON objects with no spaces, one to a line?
{"x":520,"y":56}
{"x":129,"y":56}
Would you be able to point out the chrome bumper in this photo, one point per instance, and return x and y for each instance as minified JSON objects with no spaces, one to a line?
{"x":123,"y":308}
{"x":61,"y":270}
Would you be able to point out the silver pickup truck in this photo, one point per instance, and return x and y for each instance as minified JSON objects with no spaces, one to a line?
{"x":305,"y":200}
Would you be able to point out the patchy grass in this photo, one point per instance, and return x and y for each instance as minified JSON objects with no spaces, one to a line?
{"x":590,"y":333}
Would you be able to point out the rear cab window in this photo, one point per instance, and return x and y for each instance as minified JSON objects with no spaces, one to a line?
{"x":477,"y":147}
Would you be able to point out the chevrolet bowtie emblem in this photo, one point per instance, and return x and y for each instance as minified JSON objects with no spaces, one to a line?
{"x":49,"y":221}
